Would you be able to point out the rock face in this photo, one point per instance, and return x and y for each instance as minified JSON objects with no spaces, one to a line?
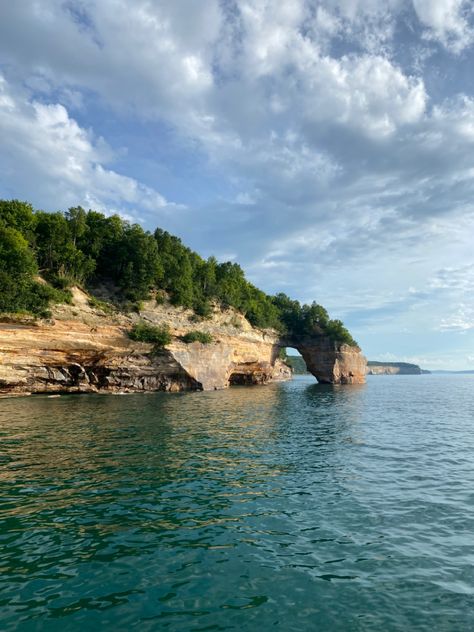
{"x":331,"y":362}
{"x":82,"y":349}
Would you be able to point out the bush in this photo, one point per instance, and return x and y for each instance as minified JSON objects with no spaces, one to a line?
{"x":129,"y":306}
{"x":160,"y":298}
{"x":22,"y":294}
{"x":203,"y":309}
{"x":235,"y":322}
{"x":197,"y":336}
{"x":96,"y":303}
{"x":57,"y":281}
{"x":143,"y":332}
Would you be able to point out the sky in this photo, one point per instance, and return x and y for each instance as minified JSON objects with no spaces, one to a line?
{"x":327,"y":146}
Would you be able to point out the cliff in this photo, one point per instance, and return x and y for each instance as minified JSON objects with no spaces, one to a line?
{"x":393,"y":368}
{"x":83,"y":349}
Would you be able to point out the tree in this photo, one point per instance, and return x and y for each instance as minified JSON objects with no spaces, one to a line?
{"x":76,"y":218}
{"x":16,"y":257}
{"x":18,"y":215}
{"x":77,"y":245}
{"x":57,"y":254}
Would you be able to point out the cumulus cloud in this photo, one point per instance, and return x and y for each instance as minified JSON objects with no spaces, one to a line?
{"x":47,"y":157}
{"x":447,"y":21}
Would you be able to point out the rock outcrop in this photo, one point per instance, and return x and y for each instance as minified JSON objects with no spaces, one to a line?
{"x":331,"y":362}
{"x":83,"y":349}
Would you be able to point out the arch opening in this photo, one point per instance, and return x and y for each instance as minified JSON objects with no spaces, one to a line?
{"x":295,"y":360}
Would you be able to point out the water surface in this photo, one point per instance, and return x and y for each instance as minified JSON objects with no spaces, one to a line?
{"x":287,"y":507}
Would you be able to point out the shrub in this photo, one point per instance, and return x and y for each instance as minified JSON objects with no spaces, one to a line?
{"x":160,"y":298}
{"x":97,"y":303}
{"x":203,"y":309}
{"x":197,"y":336}
{"x":235,"y":322}
{"x":143,"y":332}
{"x":22,"y":294}
{"x":57,"y":281}
{"x":129,"y":306}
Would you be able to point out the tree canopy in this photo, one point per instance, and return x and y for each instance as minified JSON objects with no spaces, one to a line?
{"x":86,"y":248}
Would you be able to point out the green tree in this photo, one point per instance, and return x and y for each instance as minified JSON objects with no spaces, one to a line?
{"x":76,"y":218}
{"x":18,"y":215}
{"x":16,"y":257}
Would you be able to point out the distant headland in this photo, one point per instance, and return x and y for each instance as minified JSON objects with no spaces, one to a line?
{"x":394,"y":368}
{"x":298,"y":366}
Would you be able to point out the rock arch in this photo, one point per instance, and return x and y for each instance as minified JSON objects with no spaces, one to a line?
{"x":329,"y":361}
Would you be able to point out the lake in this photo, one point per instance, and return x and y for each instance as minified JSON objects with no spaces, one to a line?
{"x":293,"y":506}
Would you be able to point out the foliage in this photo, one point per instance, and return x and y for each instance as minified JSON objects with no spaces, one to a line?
{"x":197,"y":336}
{"x":16,"y":257}
{"x":143,"y":332}
{"x":297,"y":364}
{"x":86,"y":248}
{"x":203,"y":308}
{"x":18,"y":215}
{"x":336,"y":330}
{"x":97,"y":303}
{"x":307,"y":320}
{"x":22,"y":294}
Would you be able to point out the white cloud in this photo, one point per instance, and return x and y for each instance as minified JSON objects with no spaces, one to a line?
{"x":48,"y":157}
{"x":368,"y":93}
{"x":461,"y":319}
{"x":447,"y":21}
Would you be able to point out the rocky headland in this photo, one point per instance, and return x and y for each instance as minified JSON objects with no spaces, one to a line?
{"x":393,"y":368}
{"x":83,"y":348}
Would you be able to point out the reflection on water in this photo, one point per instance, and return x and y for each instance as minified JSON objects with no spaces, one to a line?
{"x":296,"y":506}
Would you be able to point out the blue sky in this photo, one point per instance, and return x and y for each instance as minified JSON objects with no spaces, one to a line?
{"x":327,"y":146}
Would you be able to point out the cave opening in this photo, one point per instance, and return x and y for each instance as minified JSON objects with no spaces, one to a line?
{"x":241,"y":379}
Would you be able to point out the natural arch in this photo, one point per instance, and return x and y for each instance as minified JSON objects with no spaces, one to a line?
{"x":330,"y":362}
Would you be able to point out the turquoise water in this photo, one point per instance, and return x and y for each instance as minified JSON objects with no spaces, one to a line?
{"x":287,"y":507}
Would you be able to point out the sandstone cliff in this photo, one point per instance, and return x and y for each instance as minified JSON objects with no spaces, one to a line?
{"x":83,"y":349}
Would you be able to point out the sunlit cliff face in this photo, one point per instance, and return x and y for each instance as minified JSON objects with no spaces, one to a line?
{"x":83,"y":350}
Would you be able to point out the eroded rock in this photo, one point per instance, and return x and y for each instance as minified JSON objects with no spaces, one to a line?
{"x":83,"y":350}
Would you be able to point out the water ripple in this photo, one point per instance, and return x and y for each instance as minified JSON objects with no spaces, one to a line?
{"x":293,"y":506}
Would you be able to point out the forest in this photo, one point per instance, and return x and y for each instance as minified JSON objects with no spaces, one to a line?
{"x":42,"y":254}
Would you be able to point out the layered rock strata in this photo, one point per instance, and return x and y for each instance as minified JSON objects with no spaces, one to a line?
{"x":331,"y":362}
{"x":82,"y":349}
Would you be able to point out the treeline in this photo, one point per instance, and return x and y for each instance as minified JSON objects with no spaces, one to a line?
{"x":88,"y":248}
